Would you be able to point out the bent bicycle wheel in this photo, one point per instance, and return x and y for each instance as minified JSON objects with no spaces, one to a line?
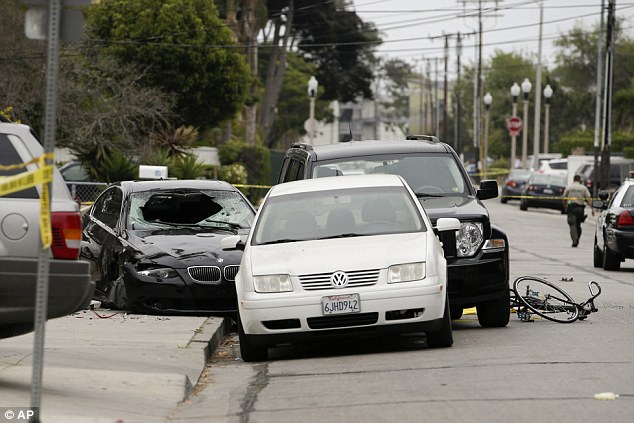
{"x":545,"y":299}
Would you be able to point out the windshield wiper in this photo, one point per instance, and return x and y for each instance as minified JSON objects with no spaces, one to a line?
{"x":425,"y":194}
{"x":346,"y":235}
{"x":233,"y":227}
{"x":281,"y":241}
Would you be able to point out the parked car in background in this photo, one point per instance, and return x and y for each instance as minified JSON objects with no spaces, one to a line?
{"x":555,"y":167}
{"x":477,"y":255}
{"x":514,"y":184}
{"x":545,"y":191}
{"x":614,"y":235}
{"x":341,"y":257}
{"x":69,"y":286}
{"x":619,"y":170}
{"x":155,"y":245}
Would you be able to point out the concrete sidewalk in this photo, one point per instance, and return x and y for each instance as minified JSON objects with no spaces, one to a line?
{"x":124,"y":368}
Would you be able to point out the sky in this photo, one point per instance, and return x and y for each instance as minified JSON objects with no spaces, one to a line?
{"x":415,"y":30}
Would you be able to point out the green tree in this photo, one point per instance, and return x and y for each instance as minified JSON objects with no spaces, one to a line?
{"x":184,"y":49}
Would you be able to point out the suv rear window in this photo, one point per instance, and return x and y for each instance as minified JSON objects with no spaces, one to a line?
{"x":10,"y":156}
{"x":425,"y":173}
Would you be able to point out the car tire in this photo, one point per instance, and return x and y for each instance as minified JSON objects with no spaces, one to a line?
{"x":442,"y":338}
{"x":503,"y":199}
{"x":495,"y":313}
{"x":456,"y":312}
{"x":611,"y":261}
{"x":523,"y":206}
{"x":248,"y":350}
{"x":598,"y":255}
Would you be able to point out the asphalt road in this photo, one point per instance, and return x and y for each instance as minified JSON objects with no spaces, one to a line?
{"x":526,"y":372}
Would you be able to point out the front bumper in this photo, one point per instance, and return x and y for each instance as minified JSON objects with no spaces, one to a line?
{"x":477,"y":279}
{"x":298,"y":317}
{"x":179,"y":294}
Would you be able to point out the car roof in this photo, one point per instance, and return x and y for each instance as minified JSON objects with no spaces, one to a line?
{"x":171,"y":184}
{"x":336,"y":182}
{"x":372,"y":147}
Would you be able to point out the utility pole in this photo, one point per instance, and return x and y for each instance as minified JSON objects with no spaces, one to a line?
{"x":478,"y":86}
{"x":430,"y":103}
{"x":436,"y":101}
{"x":538,"y":91}
{"x":457,"y":132}
{"x":607,"y":101}
{"x":598,"y":96}
{"x":445,"y":89}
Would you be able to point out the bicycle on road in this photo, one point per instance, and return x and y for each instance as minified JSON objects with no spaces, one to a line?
{"x":532,"y":295}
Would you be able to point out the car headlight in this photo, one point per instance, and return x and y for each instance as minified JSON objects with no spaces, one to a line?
{"x":468,"y":238}
{"x":272,"y":283}
{"x":406,"y":272}
{"x":161,"y":273}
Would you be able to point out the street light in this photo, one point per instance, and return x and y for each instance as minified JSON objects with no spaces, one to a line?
{"x":515,"y":92}
{"x":312,"y":92}
{"x":548,"y":93}
{"x":526,"y":89}
{"x":487,"y":105}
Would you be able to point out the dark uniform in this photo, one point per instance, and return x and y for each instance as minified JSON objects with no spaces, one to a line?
{"x":575,"y":198}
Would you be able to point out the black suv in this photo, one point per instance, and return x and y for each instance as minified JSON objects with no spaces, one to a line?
{"x":477,"y":255}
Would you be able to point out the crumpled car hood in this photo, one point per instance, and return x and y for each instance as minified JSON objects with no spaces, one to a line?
{"x":184,"y":250}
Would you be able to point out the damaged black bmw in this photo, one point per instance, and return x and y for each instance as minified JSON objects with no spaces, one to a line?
{"x":154,"y":246}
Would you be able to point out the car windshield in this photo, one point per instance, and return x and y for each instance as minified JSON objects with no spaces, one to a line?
{"x":433,"y":174}
{"x":545,"y":179}
{"x":337,"y":213}
{"x":199,"y":208}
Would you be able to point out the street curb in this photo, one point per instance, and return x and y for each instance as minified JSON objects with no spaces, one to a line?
{"x":207,"y":337}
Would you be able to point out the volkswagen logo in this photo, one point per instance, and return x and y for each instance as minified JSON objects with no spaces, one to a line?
{"x":339,"y":279}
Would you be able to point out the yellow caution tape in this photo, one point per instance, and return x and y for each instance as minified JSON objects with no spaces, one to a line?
{"x":517,"y":197}
{"x":251,"y":186}
{"x":42,"y":176}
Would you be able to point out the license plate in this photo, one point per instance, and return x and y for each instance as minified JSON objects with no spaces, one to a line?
{"x":338,"y":304}
{"x":548,"y":191}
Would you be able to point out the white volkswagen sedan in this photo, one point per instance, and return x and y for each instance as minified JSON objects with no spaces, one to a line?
{"x":339,"y":256}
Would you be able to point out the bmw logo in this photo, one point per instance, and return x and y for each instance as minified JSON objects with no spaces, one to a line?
{"x":339,"y":279}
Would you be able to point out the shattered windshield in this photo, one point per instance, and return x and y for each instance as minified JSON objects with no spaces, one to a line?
{"x":150,"y":210}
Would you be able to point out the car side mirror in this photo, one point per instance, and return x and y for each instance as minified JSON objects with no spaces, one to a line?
{"x":603,"y":195}
{"x":233,"y":242}
{"x":599,"y":204}
{"x":488,"y":189}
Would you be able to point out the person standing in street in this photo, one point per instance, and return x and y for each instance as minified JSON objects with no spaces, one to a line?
{"x":575,"y":198}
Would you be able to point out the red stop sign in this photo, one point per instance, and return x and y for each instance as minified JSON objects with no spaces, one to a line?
{"x":514,"y":125}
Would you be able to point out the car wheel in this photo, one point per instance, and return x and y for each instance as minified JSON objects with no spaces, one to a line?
{"x":456,"y":312}
{"x":248,"y":350}
{"x":523,"y":206}
{"x":598,"y":254}
{"x":503,"y":199}
{"x":442,"y":338}
{"x":611,"y":261}
{"x":495,"y":313}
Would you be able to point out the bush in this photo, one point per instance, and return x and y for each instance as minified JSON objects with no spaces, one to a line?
{"x":255,"y":159}
{"x":628,"y":152}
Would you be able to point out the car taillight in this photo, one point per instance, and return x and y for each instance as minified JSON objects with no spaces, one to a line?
{"x":512,"y":184}
{"x":531,"y":188}
{"x":625,"y":219}
{"x":66,"y":228}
